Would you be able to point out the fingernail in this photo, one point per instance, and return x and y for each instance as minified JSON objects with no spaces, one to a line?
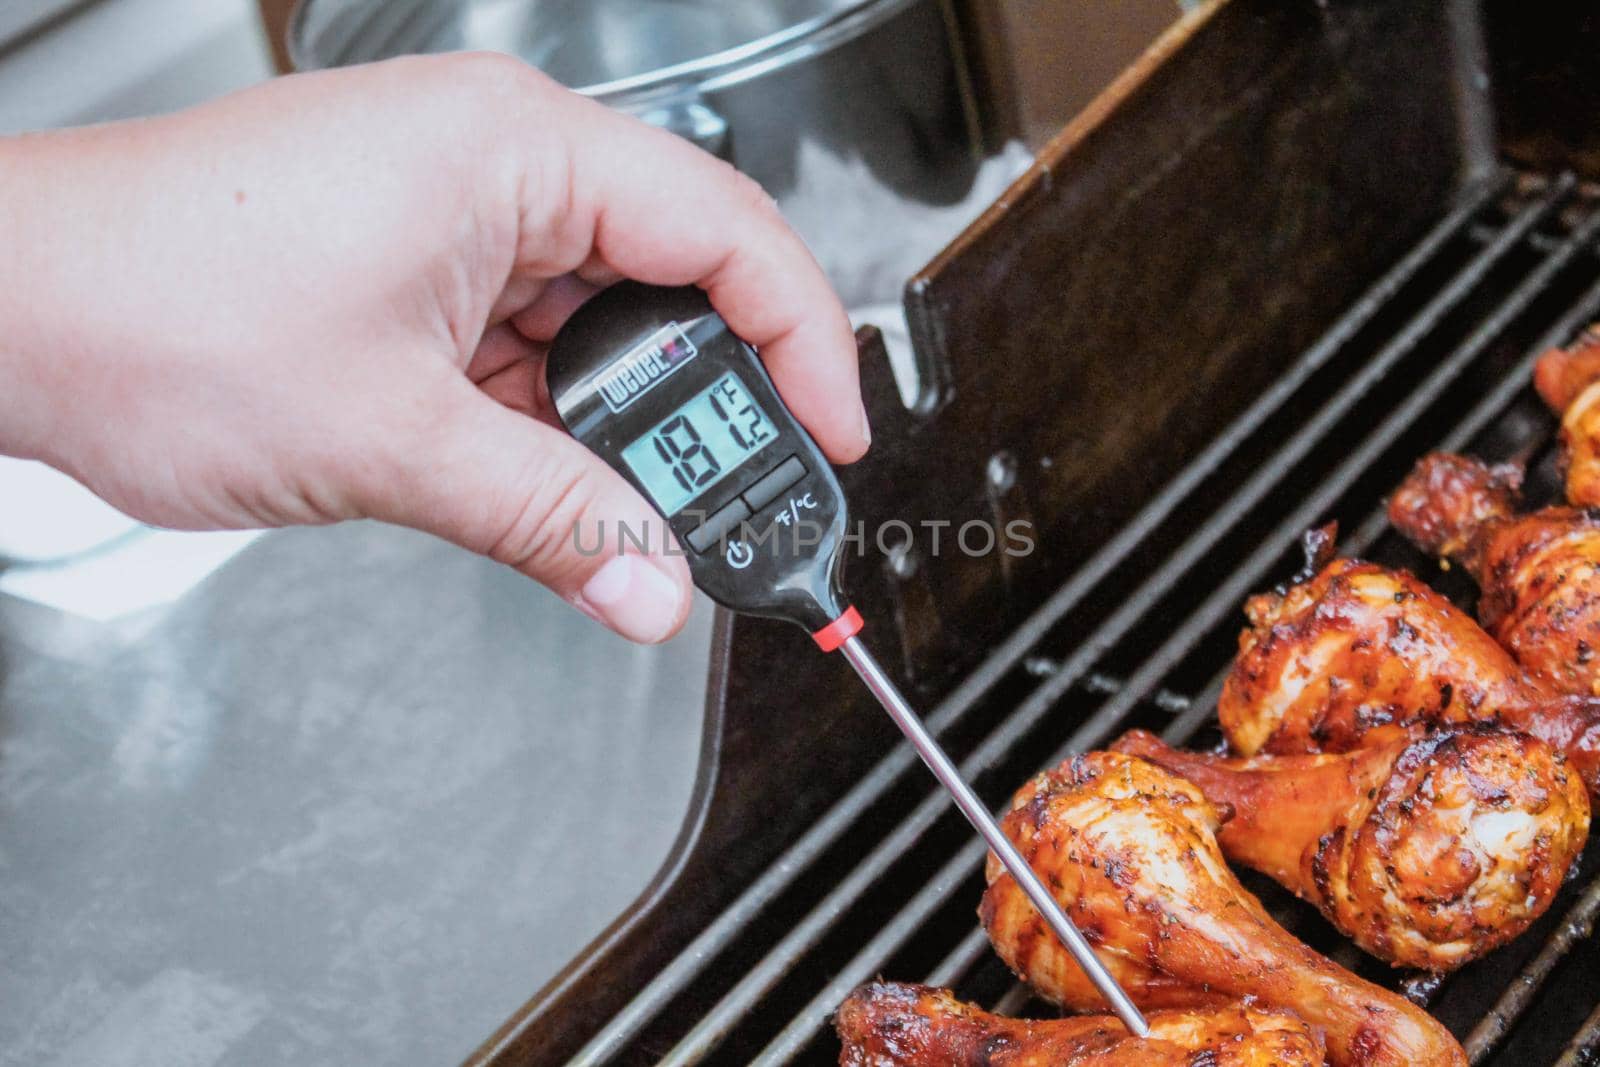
{"x":632,"y":597}
{"x":866,"y":427}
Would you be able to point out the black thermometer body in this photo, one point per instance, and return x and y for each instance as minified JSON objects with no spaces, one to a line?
{"x":652,"y":380}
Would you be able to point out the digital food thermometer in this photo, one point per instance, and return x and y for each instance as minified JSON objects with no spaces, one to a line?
{"x":654,"y":382}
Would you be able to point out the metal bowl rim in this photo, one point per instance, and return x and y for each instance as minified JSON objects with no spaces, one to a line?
{"x":720,"y":70}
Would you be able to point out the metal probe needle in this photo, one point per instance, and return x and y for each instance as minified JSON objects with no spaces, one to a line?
{"x":978,"y":815}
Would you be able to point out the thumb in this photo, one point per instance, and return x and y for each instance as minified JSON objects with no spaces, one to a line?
{"x":530,"y":496}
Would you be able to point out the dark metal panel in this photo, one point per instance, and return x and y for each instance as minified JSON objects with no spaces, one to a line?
{"x":1204,"y":218}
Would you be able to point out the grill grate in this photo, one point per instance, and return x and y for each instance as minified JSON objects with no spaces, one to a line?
{"x":1578,"y":925}
{"x":1436,"y":353}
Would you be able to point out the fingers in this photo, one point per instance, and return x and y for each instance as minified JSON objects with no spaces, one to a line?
{"x":542,"y":319}
{"x":650,"y":206}
{"x":499,"y":348}
{"x":530,"y":496}
{"x":521,"y":388}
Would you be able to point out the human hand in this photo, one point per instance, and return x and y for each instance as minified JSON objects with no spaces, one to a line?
{"x":329,"y":297}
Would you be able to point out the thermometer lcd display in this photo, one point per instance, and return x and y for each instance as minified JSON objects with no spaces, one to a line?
{"x":698,"y":445}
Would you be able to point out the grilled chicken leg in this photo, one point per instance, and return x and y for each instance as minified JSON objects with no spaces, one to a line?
{"x":888,"y":1024}
{"x":1569,"y":381}
{"x":1428,"y":852}
{"x":1539,"y":572}
{"x":1130,"y":852}
{"x":1359,"y":654}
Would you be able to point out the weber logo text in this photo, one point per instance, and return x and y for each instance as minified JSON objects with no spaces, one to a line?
{"x":646,"y":366}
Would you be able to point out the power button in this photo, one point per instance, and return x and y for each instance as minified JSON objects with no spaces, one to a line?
{"x":721,"y":523}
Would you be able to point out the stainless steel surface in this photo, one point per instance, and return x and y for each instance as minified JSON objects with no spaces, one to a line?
{"x":844,"y":110}
{"x":346,"y":802}
{"x":19,"y":17}
{"x":978,"y":815}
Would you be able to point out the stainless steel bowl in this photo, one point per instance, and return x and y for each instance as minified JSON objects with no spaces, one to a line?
{"x":842,"y":109}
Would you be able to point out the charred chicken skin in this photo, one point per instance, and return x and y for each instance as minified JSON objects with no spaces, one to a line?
{"x":1428,"y":852}
{"x":1569,"y":381}
{"x":1539,"y":572}
{"x":1354,"y":649}
{"x":1360,"y":654}
{"x":1447,"y":501}
{"x":887,"y":1024}
{"x":1130,"y":852}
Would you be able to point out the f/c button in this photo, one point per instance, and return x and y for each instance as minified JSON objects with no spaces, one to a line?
{"x":770,"y":486}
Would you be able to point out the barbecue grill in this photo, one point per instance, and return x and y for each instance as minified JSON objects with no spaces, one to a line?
{"x":1293,"y":248}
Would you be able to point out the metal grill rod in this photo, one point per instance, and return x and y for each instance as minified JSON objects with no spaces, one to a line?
{"x":1577,"y":926}
{"x":1203,"y":710}
{"x":1583,"y":1042}
{"x":690,"y":962}
{"x":803,"y":1026}
{"x":1012,"y":1002}
{"x":959,"y":960}
{"x":715,"y":1025}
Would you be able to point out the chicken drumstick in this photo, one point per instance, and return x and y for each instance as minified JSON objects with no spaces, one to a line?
{"x":1427,"y":852}
{"x":1360,"y":653}
{"x":1539,"y":572}
{"x":1569,"y":381}
{"x":1130,"y":852}
{"x":887,"y":1024}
